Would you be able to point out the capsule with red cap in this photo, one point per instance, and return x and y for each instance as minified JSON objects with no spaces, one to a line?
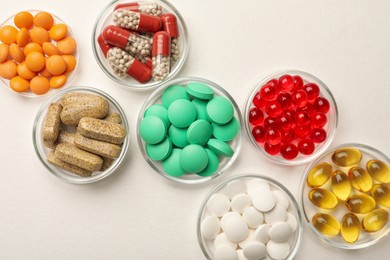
{"x":169,"y":23}
{"x":161,"y":55}
{"x":143,"y":7}
{"x":129,"y":41}
{"x":126,"y":63}
{"x":105,"y":47}
{"x":136,"y":21}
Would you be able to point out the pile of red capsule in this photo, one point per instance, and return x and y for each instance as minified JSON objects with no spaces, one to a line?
{"x":143,"y":41}
{"x":289,"y":116}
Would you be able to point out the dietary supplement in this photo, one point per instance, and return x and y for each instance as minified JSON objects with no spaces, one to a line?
{"x":375,"y":220}
{"x":347,"y":157}
{"x":341,"y":186}
{"x":101,"y":130}
{"x":326,"y":224}
{"x":379,"y":170}
{"x":350,"y":228}
{"x":73,"y":155}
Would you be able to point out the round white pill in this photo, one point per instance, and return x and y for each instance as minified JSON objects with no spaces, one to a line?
{"x":255,"y":251}
{"x":262,"y":233}
{"x":277,"y":214}
{"x":225,"y":253}
{"x":280,"y":232}
{"x":227,"y":216}
{"x":240,"y":255}
{"x":236,"y":229}
{"x":292,"y":221}
{"x":282,"y":198}
{"x":222,"y":240}
{"x":218,"y":204}
{"x":210,"y":227}
{"x":240,"y":202}
{"x":253,"y":217}
{"x":278,"y":251}
{"x":263,"y":200}
{"x":255,"y":185}
{"x":234,"y":188}
{"x":249,"y":239}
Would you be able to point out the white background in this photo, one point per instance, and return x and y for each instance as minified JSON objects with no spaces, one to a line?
{"x":136,"y":214}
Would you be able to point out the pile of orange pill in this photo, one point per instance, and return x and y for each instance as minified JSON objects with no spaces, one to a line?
{"x":36,"y":54}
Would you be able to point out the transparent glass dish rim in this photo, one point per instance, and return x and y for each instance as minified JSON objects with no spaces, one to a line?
{"x":40,"y":149}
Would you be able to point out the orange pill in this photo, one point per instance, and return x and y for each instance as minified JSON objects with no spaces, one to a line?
{"x":50,"y":49}
{"x":67,"y":45}
{"x":8,"y":34}
{"x":35,"y":61}
{"x":44,"y":20}
{"x":24,"y":71}
{"x":39,"y":85}
{"x":56,"y":65}
{"x":45,"y":73}
{"x":8,"y":69}
{"x":16,"y":52}
{"x":3,"y":52}
{"x":58,"y":31}
{"x":39,"y":35}
{"x":32,"y":47}
{"x":24,"y":20}
{"x":22,"y":37}
{"x":70,"y":61}
{"x":57,"y":81}
{"x":19,"y":84}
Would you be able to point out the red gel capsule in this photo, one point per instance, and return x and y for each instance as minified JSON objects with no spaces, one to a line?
{"x":273,"y":136}
{"x":259,"y":102}
{"x":272,"y":149}
{"x":274,"y":109}
{"x":258,"y":132}
{"x":318,"y":135}
{"x":269,"y":121}
{"x":321,"y":104}
{"x":289,"y":151}
{"x":104,"y":46}
{"x":170,"y":24}
{"x":306,"y":146}
{"x":300,"y":98}
{"x":267,"y":92}
{"x":302,"y":118}
{"x":288,"y":136}
{"x":256,"y":116}
{"x":284,"y":122}
{"x":286,"y":83}
{"x":290,"y":112}
{"x":302,"y":131}
{"x":274,"y":83}
{"x":318,"y":120}
{"x":312,"y":91}
{"x":308,"y":108}
{"x":298,"y":82}
{"x":285,"y":100}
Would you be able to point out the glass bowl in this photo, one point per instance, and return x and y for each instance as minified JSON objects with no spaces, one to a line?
{"x":235,"y":144}
{"x":207,"y":246}
{"x":42,"y":151}
{"x":104,"y":19}
{"x":70,"y":76}
{"x":329,"y":127}
{"x":309,"y":210}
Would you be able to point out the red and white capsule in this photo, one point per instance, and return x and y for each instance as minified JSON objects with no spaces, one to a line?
{"x":135,"y":21}
{"x":129,"y":41}
{"x":122,"y":61}
{"x":146,"y":8}
{"x":169,"y":23}
{"x":161,"y":55}
{"x":105,"y":47}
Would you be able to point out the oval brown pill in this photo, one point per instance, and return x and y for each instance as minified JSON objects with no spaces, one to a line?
{"x":73,"y":155}
{"x":101,"y":130}
{"x":71,"y":114}
{"x":113,"y":117}
{"x":80,"y":97}
{"x":52,"y":159}
{"x":51,"y":125}
{"x":101,"y":148}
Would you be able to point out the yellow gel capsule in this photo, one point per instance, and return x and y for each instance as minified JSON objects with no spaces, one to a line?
{"x":319,"y":174}
{"x":375,"y":220}
{"x":323,"y":198}
{"x":341,"y":186}
{"x":381,"y":194}
{"x":360,"y":179}
{"x":347,"y":157}
{"x":379,"y":170}
{"x":326,"y":224}
{"x":361,"y":203}
{"x":350,"y":228}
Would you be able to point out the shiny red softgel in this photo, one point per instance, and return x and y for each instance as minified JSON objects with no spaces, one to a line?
{"x":289,"y":116}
